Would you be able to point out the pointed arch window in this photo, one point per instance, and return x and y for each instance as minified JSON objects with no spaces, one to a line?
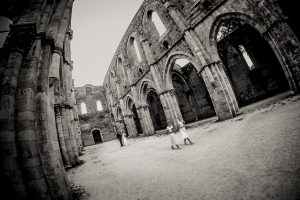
{"x":99,"y":106}
{"x":246,"y":56}
{"x":182,"y":62}
{"x":137,"y":51}
{"x":160,"y":27}
{"x":83,"y":108}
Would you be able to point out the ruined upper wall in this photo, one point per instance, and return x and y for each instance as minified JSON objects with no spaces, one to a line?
{"x":89,"y":95}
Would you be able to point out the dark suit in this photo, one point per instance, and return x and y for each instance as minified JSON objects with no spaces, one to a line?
{"x":119,"y":137}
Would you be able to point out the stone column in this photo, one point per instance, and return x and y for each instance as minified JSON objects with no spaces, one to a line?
{"x":217,"y":83}
{"x":148,"y":119}
{"x":68,"y":137}
{"x":169,"y":103}
{"x":61,"y":138}
{"x":144,"y":123}
{"x":132,"y":131}
{"x":287,"y":48}
{"x":17,"y":44}
{"x":71,"y":134}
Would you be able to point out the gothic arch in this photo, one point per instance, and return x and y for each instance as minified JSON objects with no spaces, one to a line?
{"x":260,"y":27}
{"x":128,"y":101}
{"x":97,"y":135}
{"x":145,"y":86}
{"x":131,"y":50}
{"x":249,"y":35}
{"x":167,"y":75}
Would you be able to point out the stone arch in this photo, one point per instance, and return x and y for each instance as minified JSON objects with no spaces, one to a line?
{"x":121,"y":64}
{"x":132,"y":110}
{"x":119,"y":113}
{"x":260,"y":27}
{"x":145,"y":84}
{"x":97,"y":135}
{"x":167,"y":75}
{"x":193,"y":98}
{"x":249,"y":84}
{"x":159,"y":120}
{"x":127,"y":104}
{"x":151,"y":26}
{"x":151,"y":7}
{"x":134,"y":49}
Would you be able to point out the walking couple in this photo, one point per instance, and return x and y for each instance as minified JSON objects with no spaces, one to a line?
{"x":184,"y":135}
{"x":122,"y":138}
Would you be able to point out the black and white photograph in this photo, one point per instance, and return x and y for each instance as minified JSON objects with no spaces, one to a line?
{"x":149,"y":100}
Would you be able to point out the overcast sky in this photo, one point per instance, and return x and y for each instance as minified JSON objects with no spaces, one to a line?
{"x":98,"y":26}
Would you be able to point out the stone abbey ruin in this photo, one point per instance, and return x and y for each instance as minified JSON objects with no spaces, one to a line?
{"x":191,"y":58}
{"x":199,"y":59}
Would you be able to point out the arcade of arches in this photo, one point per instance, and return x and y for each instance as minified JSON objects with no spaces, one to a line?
{"x":210,"y":58}
{"x":198,"y":67}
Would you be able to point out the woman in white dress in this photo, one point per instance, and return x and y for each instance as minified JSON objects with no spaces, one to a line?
{"x":124,"y":140}
{"x":183,"y":131}
{"x":172,"y":136}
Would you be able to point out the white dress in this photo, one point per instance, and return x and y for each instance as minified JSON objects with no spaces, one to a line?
{"x":172,"y":135}
{"x":124,"y":140}
{"x":182,"y":130}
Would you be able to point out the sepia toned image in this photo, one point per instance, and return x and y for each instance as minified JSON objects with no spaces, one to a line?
{"x":149,"y":100}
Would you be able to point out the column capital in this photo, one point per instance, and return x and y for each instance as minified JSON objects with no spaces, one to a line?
{"x":170,"y":91}
{"x":21,"y":37}
{"x":145,"y":106}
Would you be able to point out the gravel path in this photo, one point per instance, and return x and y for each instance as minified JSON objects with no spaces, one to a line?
{"x":253,"y":156}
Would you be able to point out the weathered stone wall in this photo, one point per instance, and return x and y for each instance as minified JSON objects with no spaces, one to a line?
{"x":192,"y":28}
{"x":39,"y":134}
{"x":94,"y":119}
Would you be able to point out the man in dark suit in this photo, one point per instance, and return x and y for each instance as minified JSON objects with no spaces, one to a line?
{"x":119,"y":137}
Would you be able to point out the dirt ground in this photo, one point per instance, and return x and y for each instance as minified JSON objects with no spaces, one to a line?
{"x":253,"y":156}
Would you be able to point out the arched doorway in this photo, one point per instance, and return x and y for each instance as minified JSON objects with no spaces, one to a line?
{"x":192,"y":95}
{"x":250,"y":63}
{"x":156,"y":111}
{"x":97,"y":136}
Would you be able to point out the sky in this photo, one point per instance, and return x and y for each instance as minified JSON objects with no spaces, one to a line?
{"x":98,"y":27}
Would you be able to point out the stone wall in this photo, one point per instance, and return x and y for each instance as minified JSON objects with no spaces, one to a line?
{"x":94,"y":119}
{"x":192,"y":32}
{"x":39,"y":135}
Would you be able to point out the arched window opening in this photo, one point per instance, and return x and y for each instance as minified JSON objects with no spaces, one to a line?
{"x":227,"y":28}
{"x":137,"y":51}
{"x":4,"y":29}
{"x":166,"y":45}
{"x":253,"y":69}
{"x":246,"y":56}
{"x":83,"y":108}
{"x":99,"y":106}
{"x":192,"y":95}
{"x":182,"y":62}
{"x":160,"y":27}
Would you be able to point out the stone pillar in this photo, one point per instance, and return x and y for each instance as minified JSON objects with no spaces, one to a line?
{"x":172,"y":110}
{"x":148,"y":119}
{"x":224,"y":102}
{"x":71,"y":134}
{"x":217,"y":83}
{"x":132,"y":131}
{"x":68,"y":137}
{"x":287,"y":48}
{"x":61,"y":137}
{"x":17,"y":44}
